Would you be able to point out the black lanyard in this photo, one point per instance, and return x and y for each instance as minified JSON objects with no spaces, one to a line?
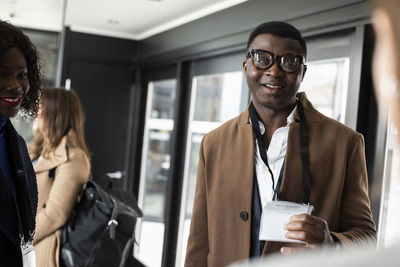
{"x":303,"y":151}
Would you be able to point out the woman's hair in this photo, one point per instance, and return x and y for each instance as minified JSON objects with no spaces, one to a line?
{"x":392,"y":7}
{"x":61,"y":115}
{"x":11,"y":36}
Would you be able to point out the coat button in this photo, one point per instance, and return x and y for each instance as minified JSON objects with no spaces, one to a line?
{"x":244,"y":216}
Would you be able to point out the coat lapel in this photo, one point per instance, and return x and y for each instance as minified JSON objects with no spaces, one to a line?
{"x":292,"y":183}
{"x":244,"y":170}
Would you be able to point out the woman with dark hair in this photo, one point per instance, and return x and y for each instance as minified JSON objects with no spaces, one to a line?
{"x":20,"y":87}
{"x":62,"y":164}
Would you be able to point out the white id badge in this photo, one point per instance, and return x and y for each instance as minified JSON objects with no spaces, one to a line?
{"x":274,"y":217}
{"x":28,"y":255}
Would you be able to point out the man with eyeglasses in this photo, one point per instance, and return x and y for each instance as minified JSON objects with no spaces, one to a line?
{"x":279,"y":154}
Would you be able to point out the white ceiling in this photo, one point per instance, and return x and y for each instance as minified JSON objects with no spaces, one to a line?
{"x":132,"y":19}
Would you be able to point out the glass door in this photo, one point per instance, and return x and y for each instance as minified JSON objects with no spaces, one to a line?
{"x":154,"y":170}
{"x":216,"y":97}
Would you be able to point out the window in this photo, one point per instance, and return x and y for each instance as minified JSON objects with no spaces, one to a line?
{"x":325,"y":84}
{"x":216,"y":98}
{"x":154,"y":171}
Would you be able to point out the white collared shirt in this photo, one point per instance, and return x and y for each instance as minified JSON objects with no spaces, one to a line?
{"x":276,"y":153}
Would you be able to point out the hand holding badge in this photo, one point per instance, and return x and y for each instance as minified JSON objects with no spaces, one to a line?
{"x":276,"y":215}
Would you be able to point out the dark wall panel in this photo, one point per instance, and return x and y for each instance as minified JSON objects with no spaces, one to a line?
{"x":101,"y":70}
{"x":104,"y":91}
{"x":99,"y":47}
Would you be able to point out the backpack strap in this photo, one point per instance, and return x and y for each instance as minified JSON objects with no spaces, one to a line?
{"x":113,"y":223}
{"x":125,"y":253}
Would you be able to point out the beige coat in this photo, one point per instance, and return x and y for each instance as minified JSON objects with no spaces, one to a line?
{"x":57,"y":197}
{"x":339,"y":186}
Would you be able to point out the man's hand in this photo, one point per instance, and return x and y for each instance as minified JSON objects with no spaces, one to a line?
{"x":307,"y":228}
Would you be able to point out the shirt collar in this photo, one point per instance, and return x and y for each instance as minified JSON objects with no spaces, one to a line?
{"x":290,"y":119}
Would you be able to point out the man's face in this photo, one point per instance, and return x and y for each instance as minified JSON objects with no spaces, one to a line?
{"x":274,"y":88}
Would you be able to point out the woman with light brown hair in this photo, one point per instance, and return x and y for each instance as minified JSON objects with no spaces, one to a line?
{"x":62,"y":163}
{"x":386,"y":61}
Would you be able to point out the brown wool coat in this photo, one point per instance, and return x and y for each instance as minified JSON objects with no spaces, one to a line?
{"x":339,"y":186}
{"x":57,"y":197}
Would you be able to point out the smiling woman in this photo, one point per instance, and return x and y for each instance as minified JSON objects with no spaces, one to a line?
{"x":20,"y":86}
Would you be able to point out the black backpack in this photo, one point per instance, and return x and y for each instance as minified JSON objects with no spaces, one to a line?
{"x":101,"y":233}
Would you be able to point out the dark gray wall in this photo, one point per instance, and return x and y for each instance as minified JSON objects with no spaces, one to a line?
{"x":102,"y":73}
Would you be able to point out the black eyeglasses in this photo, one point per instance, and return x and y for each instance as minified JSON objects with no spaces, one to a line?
{"x":263,"y":60}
